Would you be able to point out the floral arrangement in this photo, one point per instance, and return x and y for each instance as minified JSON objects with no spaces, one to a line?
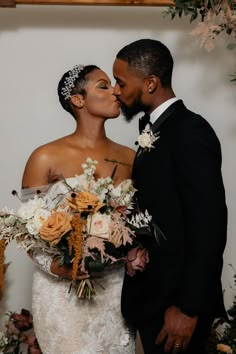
{"x":216,"y":18}
{"x":146,"y":139}
{"x":223,"y":333}
{"x":85,"y":225}
{"x":18,"y":334}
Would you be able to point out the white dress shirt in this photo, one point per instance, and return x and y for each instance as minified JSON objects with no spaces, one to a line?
{"x":160,"y":109}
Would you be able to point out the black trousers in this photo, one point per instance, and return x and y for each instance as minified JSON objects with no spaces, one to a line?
{"x":149,"y":330}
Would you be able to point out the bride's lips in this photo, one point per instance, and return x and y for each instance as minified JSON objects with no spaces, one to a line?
{"x":118,"y":103}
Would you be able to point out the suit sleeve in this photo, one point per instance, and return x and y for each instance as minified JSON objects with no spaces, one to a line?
{"x":201,"y":190}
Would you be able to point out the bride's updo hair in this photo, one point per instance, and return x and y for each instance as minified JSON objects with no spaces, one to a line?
{"x":72,"y":83}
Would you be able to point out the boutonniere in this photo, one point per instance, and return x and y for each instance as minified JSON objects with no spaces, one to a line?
{"x":147,"y":138}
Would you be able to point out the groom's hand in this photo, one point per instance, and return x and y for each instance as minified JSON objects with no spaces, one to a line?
{"x":177,"y":330}
{"x":137,"y":259}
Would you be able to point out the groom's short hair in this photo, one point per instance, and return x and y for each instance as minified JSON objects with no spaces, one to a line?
{"x":149,"y":56}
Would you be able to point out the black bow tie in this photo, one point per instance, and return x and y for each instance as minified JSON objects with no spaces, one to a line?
{"x":143,"y":121}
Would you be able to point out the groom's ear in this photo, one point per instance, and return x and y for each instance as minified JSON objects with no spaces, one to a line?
{"x":152,"y":83}
{"x":77,"y":101}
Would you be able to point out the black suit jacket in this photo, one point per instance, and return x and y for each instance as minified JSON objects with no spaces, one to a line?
{"x":180,"y":183}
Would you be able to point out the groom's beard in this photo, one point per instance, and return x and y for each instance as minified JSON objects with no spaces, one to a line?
{"x":137,"y":106}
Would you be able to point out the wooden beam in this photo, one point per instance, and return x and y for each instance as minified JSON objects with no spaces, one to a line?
{"x":7,"y":3}
{"x":95,"y":2}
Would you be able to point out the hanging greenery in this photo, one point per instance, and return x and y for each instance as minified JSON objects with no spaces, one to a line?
{"x":216,"y":17}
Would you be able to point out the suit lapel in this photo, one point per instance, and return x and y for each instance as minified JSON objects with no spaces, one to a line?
{"x":163,"y":117}
{"x":166,"y":114}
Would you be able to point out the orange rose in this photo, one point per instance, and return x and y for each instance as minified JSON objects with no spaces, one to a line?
{"x":57,"y":225}
{"x":85,"y":201}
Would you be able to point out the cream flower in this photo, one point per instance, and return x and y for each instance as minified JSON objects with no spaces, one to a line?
{"x":147,"y":138}
{"x":33,"y":225}
{"x":224,"y":348}
{"x":27,"y":209}
{"x":99,"y":225}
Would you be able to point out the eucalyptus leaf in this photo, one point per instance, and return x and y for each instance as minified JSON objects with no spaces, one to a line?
{"x":231,"y":46}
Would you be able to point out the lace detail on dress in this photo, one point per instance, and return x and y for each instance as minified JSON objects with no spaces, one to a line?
{"x":66,"y":325}
{"x":43,"y":261}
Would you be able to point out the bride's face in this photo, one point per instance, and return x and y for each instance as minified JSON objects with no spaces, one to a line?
{"x":100,"y":99}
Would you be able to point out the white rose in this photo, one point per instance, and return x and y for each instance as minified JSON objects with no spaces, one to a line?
{"x":27,"y":209}
{"x":144,"y":140}
{"x":99,"y":225}
{"x":34,"y":224}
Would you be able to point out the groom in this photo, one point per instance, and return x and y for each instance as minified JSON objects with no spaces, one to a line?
{"x":175,"y":300}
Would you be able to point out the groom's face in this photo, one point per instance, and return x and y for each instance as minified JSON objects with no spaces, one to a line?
{"x":129,"y":89}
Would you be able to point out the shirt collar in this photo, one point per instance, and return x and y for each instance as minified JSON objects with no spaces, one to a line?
{"x":160,"y":109}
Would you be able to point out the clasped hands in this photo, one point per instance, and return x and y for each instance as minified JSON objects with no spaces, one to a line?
{"x":137,"y":259}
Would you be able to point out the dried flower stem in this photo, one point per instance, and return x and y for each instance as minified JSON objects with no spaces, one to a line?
{"x":76,"y":242}
{"x":2,"y":266}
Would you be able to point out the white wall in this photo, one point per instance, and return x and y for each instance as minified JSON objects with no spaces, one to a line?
{"x":39,"y":43}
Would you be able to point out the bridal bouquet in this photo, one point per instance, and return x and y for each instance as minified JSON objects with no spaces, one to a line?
{"x":85,"y":223}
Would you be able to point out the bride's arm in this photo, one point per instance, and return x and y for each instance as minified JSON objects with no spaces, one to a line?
{"x":50,"y":265}
{"x":44,"y":262}
{"x":38,"y":172}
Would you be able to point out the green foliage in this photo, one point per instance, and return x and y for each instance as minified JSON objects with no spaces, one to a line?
{"x":217,"y":15}
{"x":198,"y":9}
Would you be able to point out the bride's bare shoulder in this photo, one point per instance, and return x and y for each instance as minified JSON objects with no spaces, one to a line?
{"x":49,"y":150}
{"x":42,"y":162}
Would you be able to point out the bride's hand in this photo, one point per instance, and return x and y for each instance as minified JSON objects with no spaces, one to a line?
{"x":137,"y":259}
{"x":65,"y":271}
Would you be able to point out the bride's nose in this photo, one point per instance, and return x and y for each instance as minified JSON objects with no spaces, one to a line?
{"x":112,"y":90}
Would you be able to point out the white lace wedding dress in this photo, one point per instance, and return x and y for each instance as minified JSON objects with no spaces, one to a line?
{"x":65,"y":324}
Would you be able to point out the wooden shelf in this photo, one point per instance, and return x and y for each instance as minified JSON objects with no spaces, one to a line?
{"x":14,"y":3}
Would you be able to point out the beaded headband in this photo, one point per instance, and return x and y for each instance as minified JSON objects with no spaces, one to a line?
{"x":69,"y":82}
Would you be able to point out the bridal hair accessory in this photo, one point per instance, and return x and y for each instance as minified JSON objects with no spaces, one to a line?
{"x":69,"y":82}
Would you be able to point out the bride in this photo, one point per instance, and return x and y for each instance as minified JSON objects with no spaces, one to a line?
{"x":63,"y":324}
